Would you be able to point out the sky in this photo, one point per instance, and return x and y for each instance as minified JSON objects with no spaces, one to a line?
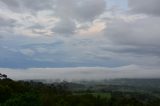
{"x":80,"y":39}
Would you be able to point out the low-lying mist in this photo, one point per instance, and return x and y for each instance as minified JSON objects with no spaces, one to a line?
{"x":81,"y":73}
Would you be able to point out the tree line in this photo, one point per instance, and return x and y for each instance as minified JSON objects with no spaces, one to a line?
{"x":21,"y":93}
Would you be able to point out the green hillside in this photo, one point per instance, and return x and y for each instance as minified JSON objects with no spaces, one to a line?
{"x":30,"y":93}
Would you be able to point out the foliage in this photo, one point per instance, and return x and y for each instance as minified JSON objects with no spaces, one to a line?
{"x":20,"y":93}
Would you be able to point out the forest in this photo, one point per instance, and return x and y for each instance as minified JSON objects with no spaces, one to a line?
{"x":33,"y":93}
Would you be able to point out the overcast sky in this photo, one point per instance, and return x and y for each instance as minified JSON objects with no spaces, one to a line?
{"x":104,"y":38}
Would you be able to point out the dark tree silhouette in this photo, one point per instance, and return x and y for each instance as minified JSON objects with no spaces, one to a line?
{"x":3,"y":76}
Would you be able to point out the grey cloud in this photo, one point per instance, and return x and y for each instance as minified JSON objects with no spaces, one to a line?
{"x":28,"y":5}
{"x":1,"y":37}
{"x":65,"y":27}
{"x":13,"y":5}
{"x":89,"y":9}
{"x":7,"y":22}
{"x":84,"y":10}
{"x":135,"y":42}
{"x":6,"y":26}
{"x":68,"y":11}
{"x":38,"y":5}
{"x":74,"y":10}
{"x":36,"y":26}
{"x":38,"y":30}
{"x":132,"y":50}
{"x":147,"y":7}
{"x":142,"y":32}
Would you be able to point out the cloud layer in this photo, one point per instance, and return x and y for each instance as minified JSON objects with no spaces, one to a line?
{"x":85,"y":33}
{"x":81,"y":73}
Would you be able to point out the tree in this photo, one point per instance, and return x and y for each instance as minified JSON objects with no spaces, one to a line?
{"x":3,"y":76}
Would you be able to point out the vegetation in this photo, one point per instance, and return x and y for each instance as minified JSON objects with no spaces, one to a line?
{"x":21,"y":93}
